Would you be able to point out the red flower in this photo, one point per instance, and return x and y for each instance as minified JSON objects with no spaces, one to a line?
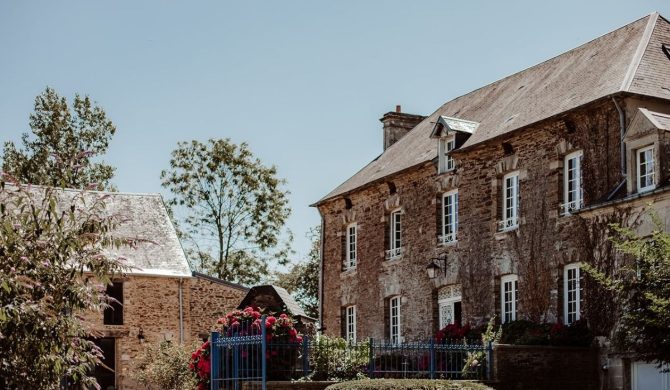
{"x":292,"y":332}
{"x":270,"y":321}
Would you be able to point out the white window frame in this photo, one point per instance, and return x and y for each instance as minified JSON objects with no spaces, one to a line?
{"x":449,"y":209}
{"x":395,"y":325}
{"x":449,"y":305}
{"x":571,"y":315}
{"x":509,"y":295}
{"x":445,"y":161}
{"x":350,"y":323}
{"x":510,"y":215}
{"x":638,"y":166}
{"x":577,"y":192}
{"x":352,"y":245}
{"x":395,"y":232}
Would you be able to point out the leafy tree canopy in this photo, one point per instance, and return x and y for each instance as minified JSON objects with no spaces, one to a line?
{"x":302,"y":280}
{"x":63,"y":144}
{"x":642,"y":287}
{"x":54,"y":263}
{"x":230,"y":209}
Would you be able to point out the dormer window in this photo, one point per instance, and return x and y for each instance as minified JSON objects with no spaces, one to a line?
{"x":446,"y":162}
{"x":645,"y":169}
{"x":450,"y":132}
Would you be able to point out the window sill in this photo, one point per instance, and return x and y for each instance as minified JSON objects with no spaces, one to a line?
{"x":502,"y":234}
{"x":348,"y":272}
{"x":447,"y":244}
{"x":646,"y":189}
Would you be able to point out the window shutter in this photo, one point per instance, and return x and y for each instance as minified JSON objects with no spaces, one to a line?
{"x":387,"y":232}
{"x":343,"y":322}
{"x":438,"y":217}
{"x":343,"y":246}
{"x":387,"y":319}
{"x":436,"y":312}
{"x":561,"y":317}
{"x":499,"y":201}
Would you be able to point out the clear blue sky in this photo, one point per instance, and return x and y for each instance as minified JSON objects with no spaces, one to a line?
{"x":303,"y":82}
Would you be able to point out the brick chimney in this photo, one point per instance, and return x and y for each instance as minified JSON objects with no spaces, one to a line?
{"x":397,"y":124}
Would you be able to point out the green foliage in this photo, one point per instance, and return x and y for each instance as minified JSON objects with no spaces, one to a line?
{"x":65,"y":140}
{"x":165,"y":366}
{"x":302,"y":280}
{"x":230,"y":209}
{"x":407,"y":384}
{"x":475,"y":361}
{"x":54,"y":263}
{"x":334,"y":359}
{"x":642,"y":288}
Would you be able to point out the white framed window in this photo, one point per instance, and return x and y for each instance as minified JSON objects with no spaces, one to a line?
{"x":395,"y":239}
{"x":351,"y":246}
{"x":572,"y":182}
{"x":645,"y":169}
{"x":445,"y":161}
{"x":394,"y":320}
{"x":572,"y":293}
{"x":509,"y":287}
{"x":449,"y":217}
{"x":350,"y":325}
{"x":449,"y":305}
{"x":510,"y":199}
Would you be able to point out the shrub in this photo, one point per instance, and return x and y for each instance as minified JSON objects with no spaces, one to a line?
{"x":165,"y":366}
{"x":524,"y":332}
{"x":335,"y":359}
{"x":407,"y":384}
{"x":282,"y":349}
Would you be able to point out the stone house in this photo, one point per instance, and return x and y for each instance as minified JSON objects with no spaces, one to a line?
{"x":160,"y":298}
{"x":501,"y":194}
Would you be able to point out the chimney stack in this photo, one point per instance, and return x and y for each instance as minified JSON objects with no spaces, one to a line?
{"x":397,"y":124}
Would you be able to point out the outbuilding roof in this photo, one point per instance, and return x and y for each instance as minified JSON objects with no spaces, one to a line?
{"x":158,"y":251}
{"x":630,"y":59}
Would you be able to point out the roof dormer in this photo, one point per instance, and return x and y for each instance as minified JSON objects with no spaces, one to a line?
{"x":450,"y":133}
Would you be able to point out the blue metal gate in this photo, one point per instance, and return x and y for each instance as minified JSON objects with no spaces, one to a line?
{"x":238,"y":359}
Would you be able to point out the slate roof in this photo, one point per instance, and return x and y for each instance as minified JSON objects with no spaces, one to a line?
{"x":660,"y":120}
{"x":629,"y":59}
{"x":292,"y":306}
{"x":146,"y":218}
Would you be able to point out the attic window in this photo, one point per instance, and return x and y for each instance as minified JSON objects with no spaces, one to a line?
{"x":113,"y":315}
{"x":392,"y":189}
{"x":666,"y":49}
{"x":507,"y":148}
{"x":347,"y":203}
{"x":445,"y":161}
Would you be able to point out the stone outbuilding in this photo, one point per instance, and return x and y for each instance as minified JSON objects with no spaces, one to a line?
{"x":275,"y":299}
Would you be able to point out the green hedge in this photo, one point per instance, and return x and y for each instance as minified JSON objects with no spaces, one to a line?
{"x":407,"y":384}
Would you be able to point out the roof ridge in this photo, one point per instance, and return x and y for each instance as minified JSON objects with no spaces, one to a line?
{"x":639,"y":53}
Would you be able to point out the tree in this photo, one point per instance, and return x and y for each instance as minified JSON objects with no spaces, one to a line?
{"x":54,"y":263}
{"x":302,"y":280}
{"x":65,"y":141}
{"x":642,"y":288}
{"x":233,"y":206}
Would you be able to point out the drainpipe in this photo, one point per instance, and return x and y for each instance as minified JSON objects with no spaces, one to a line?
{"x":321,"y":292}
{"x":181,"y":312}
{"x":622,"y":145}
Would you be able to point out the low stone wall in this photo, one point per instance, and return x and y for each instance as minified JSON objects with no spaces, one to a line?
{"x":529,"y":367}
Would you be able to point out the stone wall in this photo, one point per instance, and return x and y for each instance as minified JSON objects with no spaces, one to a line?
{"x":545,"y":241}
{"x":152,"y":305}
{"x":210,"y":299}
{"x":519,"y":367}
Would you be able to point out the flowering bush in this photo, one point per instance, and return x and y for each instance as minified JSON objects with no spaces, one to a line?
{"x":165,"y":366}
{"x":200,"y":365}
{"x":280,"y":333}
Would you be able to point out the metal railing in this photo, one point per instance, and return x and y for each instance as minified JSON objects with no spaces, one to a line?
{"x":253,"y":360}
{"x":508,"y":224}
{"x":394,"y":253}
{"x":446,"y":238}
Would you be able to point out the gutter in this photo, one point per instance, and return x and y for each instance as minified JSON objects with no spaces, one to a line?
{"x":321,"y":292}
{"x":181,"y":312}
{"x":622,"y":151}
